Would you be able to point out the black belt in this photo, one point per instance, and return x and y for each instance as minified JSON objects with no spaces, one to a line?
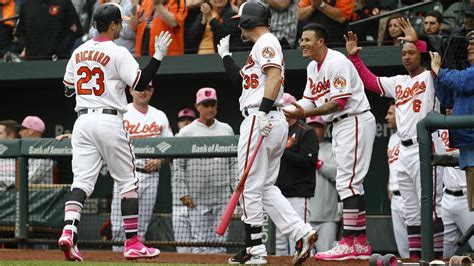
{"x":407,"y":142}
{"x":337,"y":119}
{"x":246,"y":110}
{"x":104,"y":111}
{"x":396,"y":193}
{"x":458,"y":193}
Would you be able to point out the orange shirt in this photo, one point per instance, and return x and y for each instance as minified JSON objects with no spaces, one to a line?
{"x":346,"y":6}
{"x":7,"y":10}
{"x":178,"y":9}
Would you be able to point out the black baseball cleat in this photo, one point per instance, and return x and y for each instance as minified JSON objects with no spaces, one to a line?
{"x":303,"y":247}
{"x":245,"y":258}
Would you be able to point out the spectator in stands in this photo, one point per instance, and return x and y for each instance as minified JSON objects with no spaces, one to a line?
{"x":433,"y":23}
{"x":8,"y":130}
{"x":211,"y":25}
{"x":451,"y":15}
{"x":127,"y":35}
{"x":456,"y":91}
{"x":84,"y":10}
{"x":180,"y":215}
{"x":40,"y":171}
{"x":284,"y":20}
{"x":155,"y":16}
{"x":185,"y":117}
{"x":47,"y":29}
{"x":468,"y":21}
{"x":324,"y":206}
{"x":194,"y":9}
{"x":392,"y":31}
{"x":296,"y":178}
{"x":332,"y":14}
{"x":7,"y":10}
{"x":202,"y":184}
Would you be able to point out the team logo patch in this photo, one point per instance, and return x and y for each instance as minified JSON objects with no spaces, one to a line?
{"x":340,"y":82}
{"x":207,"y":93}
{"x":53,"y":10}
{"x":268,"y":52}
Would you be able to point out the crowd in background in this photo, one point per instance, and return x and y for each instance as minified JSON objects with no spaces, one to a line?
{"x":51,"y":29}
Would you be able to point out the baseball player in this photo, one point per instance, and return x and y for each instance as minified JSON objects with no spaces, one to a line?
{"x":180,"y":214}
{"x":414,"y":96}
{"x":337,"y":92}
{"x":203,"y":183}
{"x":8,"y":130}
{"x":141,"y":121}
{"x":454,"y":208}
{"x":98,"y":73}
{"x":396,"y":205}
{"x":261,"y":80}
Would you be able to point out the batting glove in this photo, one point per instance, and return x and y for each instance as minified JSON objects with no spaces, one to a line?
{"x":263,"y":123}
{"x":223,"y":47}
{"x":162,"y":42}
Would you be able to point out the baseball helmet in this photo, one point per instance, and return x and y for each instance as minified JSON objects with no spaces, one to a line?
{"x":253,"y":14}
{"x":106,"y":14}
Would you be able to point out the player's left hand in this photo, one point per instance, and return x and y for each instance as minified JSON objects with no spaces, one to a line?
{"x":162,"y":42}
{"x":223,"y":46}
{"x":435,"y":62}
{"x":297,"y":113}
{"x":408,"y":30}
{"x":263,"y":123}
{"x":152,"y":165}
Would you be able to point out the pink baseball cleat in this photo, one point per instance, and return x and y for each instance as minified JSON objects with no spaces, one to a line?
{"x":66,"y":244}
{"x":339,"y":251}
{"x":363,"y":251}
{"x":134,"y":249}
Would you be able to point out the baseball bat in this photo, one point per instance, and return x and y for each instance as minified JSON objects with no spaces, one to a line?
{"x":229,"y":209}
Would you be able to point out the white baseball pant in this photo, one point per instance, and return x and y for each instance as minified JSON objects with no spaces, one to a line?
{"x":260,"y":192}
{"x":204,"y":220}
{"x":327,"y":232}
{"x":353,"y":140}
{"x":399,"y":226}
{"x":181,"y":227}
{"x":303,"y":209}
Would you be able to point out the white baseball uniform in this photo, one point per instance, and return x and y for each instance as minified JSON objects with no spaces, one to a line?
{"x":151,"y":124}
{"x":259,"y":192}
{"x":396,"y":205}
{"x":456,"y":216}
{"x":354,"y":135}
{"x":414,"y":99}
{"x":7,"y":173}
{"x":100,"y":71}
{"x":207,"y":181}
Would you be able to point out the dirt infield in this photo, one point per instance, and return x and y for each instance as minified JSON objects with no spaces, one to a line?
{"x":170,"y":258}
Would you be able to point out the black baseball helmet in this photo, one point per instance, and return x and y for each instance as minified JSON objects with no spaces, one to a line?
{"x":106,"y":14}
{"x":253,"y":14}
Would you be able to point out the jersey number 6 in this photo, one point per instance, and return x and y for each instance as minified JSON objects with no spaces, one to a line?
{"x":96,"y":72}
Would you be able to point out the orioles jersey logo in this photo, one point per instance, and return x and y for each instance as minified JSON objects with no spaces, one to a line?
{"x":268,"y":52}
{"x":53,"y":10}
{"x":339,"y":82}
{"x":405,"y":95}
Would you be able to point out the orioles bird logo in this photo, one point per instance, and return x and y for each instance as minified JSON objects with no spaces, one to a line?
{"x":340,"y":82}
{"x":268,"y":52}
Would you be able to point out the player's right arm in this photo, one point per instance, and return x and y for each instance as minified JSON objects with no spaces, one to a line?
{"x":231,"y":68}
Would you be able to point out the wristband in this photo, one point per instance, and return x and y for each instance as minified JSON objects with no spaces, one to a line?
{"x":319,"y":164}
{"x":266,"y":105}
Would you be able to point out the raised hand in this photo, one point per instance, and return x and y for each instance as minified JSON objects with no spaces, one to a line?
{"x":408,"y":30}
{"x":223,"y":47}
{"x":351,"y":43}
{"x":162,"y":42}
{"x":435,"y":62}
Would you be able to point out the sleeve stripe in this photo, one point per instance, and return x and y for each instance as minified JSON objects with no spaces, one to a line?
{"x":340,"y":96}
{"x":271,"y":65}
{"x":68,"y":83}
{"x":137,"y":78}
{"x":382,"y":90}
{"x":241,"y":73}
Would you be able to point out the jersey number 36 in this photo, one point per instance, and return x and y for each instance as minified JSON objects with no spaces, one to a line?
{"x":98,"y":74}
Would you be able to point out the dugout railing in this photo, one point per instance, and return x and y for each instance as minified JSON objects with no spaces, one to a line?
{"x":33,"y":213}
{"x":425,"y":127}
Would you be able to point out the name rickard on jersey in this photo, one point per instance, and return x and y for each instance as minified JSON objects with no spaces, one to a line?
{"x":92,"y":55}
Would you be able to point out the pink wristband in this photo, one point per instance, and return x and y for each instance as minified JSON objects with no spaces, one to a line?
{"x":319,"y":164}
